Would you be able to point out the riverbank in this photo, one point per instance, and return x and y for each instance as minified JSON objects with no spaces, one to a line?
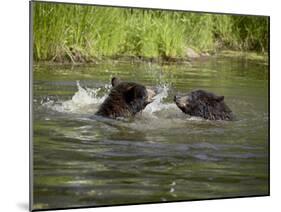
{"x":261,"y":58}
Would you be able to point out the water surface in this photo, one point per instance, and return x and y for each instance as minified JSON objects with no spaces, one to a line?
{"x":160,"y":155}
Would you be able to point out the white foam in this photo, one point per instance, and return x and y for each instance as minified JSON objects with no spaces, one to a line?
{"x":87,"y":100}
{"x":80,"y":101}
{"x":86,"y":96}
{"x":157,"y":104}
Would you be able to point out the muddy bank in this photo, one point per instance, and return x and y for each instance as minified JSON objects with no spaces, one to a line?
{"x":76,"y":57}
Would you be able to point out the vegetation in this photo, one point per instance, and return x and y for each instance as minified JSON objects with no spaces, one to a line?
{"x":83,"y":33}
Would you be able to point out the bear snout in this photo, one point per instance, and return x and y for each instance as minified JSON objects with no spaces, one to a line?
{"x":175,"y":98}
{"x":179,"y":99}
{"x":150,"y":94}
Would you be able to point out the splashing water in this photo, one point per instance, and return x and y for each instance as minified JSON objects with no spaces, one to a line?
{"x":157,"y":104}
{"x":87,"y":100}
{"x":86,"y":96}
{"x":83,"y":101}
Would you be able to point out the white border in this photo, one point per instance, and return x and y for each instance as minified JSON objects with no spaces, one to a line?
{"x":15,"y":89}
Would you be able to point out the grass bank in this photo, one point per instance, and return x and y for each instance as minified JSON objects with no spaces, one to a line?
{"x":76,"y":33}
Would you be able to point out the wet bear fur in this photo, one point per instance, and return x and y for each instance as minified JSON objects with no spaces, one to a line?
{"x":125,"y":99}
{"x":204,"y":104}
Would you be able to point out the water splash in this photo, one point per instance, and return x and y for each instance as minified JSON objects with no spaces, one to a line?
{"x":85,"y":100}
{"x":158,"y":104}
{"x":86,"y":96}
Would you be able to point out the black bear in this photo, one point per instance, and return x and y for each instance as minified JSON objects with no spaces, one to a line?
{"x":125,"y":99}
{"x":204,"y":104}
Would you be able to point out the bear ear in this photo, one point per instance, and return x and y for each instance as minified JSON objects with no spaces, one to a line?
{"x":115,"y":81}
{"x":219,"y":98}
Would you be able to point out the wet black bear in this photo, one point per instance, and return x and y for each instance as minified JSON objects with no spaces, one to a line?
{"x":125,"y":99}
{"x":204,"y":104}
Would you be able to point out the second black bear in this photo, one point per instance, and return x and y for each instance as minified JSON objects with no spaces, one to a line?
{"x":204,"y":104}
{"x":125,"y":99}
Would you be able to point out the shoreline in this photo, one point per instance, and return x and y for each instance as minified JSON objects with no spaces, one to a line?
{"x":194,"y":56}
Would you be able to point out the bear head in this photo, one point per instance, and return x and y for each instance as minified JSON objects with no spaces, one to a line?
{"x":204,"y":104}
{"x":125,"y":99}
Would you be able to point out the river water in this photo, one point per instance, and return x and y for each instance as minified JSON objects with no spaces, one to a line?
{"x":160,"y":155}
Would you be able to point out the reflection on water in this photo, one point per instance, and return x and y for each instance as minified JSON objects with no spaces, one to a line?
{"x":160,"y":155}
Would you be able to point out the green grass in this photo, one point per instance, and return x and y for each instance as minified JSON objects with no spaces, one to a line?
{"x":80,"y":33}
